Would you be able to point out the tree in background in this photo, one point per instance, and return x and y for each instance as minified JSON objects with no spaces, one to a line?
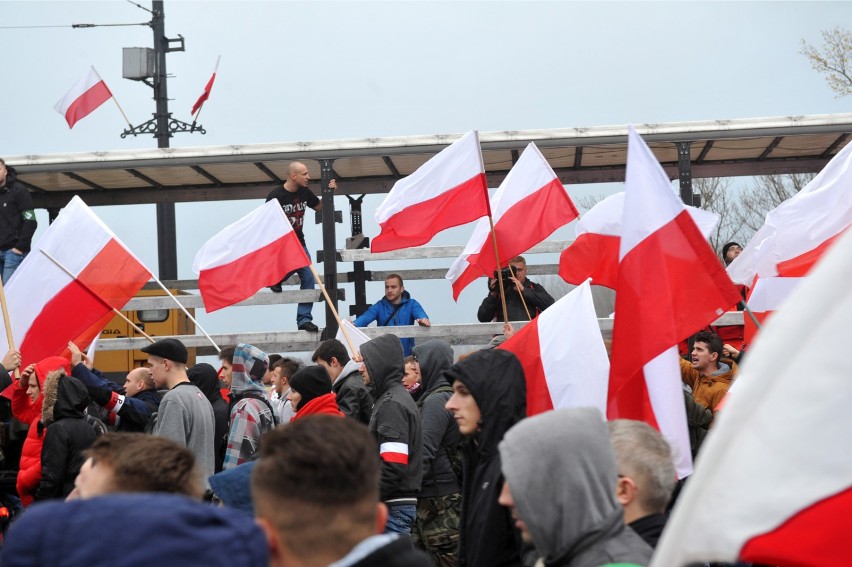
{"x":834,"y":59}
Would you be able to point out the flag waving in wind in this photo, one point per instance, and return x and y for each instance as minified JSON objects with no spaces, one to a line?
{"x":84,"y":97}
{"x":48,"y":307}
{"x":594,"y":253}
{"x":563,"y":355}
{"x":773,"y":484}
{"x":207,"y":88}
{"x":448,"y":190}
{"x":529,"y":205}
{"x":255,"y":252}
{"x":670,"y":284}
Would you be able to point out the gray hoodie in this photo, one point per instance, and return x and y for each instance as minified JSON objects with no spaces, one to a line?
{"x":561,"y":471}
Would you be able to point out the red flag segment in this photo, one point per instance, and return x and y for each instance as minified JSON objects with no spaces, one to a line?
{"x":85,"y":96}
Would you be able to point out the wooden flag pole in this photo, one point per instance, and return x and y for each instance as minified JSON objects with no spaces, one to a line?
{"x":497,"y":259}
{"x":333,"y":310}
{"x":8,"y":325}
{"x":95,"y":295}
{"x":185,"y":312}
{"x":521,"y":293}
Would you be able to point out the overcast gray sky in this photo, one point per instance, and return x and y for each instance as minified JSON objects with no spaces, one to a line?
{"x":293,"y":71}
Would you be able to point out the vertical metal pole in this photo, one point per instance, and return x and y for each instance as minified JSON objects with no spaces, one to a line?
{"x":684,"y":171}
{"x":359,"y":276}
{"x":166,"y":231}
{"x":329,"y":246}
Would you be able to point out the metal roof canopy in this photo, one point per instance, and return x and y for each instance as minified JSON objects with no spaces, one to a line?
{"x":717,"y":148}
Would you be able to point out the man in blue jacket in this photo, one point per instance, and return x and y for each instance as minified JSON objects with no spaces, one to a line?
{"x":395,"y":308}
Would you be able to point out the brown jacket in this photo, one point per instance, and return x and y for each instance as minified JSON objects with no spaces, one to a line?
{"x":708,"y":390}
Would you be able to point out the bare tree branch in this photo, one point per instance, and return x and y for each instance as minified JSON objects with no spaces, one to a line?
{"x":834,"y":59}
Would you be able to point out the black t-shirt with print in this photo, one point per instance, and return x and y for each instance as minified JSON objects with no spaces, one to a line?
{"x":294,"y":205}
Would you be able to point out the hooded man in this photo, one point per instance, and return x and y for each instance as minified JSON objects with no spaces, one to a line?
{"x":251,"y":413}
{"x":66,"y":434}
{"x":489,"y":397}
{"x":27,"y":398}
{"x":353,"y":397}
{"x":436,"y":529}
{"x":206,"y":379}
{"x":560,"y":478}
{"x":395,"y":422}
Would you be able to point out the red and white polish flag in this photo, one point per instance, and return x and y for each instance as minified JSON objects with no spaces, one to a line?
{"x":246,"y":256}
{"x":594,"y":252}
{"x":800,"y":229}
{"x":84,"y":97}
{"x":773,"y":484}
{"x":47,"y":307}
{"x":669,"y":284}
{"x":529,"y":206}
{"x":448,"y":190}
{"x":563,"y":355}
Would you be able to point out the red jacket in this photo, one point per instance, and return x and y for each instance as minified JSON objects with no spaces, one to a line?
{"x":29,"y":468}
{"x":325,"y":404}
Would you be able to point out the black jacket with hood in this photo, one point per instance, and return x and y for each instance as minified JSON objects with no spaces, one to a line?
{"x":17,"y":217}
{"x":66,"y":436}
{"x":395,"y":421}
{"x":353,"y":397}
{"x":496,"y":381}
{"x":440,"y":433}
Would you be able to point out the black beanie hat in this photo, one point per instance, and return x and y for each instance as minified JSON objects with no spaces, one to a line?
{"x":310,"y":382}
{"x":727,"y":247}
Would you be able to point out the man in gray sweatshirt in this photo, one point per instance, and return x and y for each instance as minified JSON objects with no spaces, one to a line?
{"x":185,"y":415}
{"x":560,"y":486}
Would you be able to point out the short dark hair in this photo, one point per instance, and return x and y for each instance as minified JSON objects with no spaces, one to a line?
{"x":227,"y":353}
{"x":317,"y":483}
{"x":331,"y":348}
{"x":273,"y":358}
{"x":397,"y":276}
{"x":147,"y":463}
{"x":712,"y":340}
{"x":288,"y":366}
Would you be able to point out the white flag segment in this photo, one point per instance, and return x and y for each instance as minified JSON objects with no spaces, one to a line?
{"x":355,"y":335}
{"x":563,"y":355}
{"x":801,"y":224}
{"x":769,"y":294}
{"x":254,"y":252}
{"x":84,"y":97}
{"x":773,"y":483}
{"x":47,"y":307}
{"x":448,"y":190}
{"x":665,"y":392}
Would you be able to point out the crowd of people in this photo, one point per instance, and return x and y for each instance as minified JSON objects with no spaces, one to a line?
{"x":339,"y":461}
{"x":401,"y":454}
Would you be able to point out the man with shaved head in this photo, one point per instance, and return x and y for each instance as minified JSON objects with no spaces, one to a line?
{"x":294,"y":197}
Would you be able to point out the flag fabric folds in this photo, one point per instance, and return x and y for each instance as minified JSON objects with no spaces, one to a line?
{"x":594,"y":252}
{"x":255,"y":252}
{"x":798,"y":230}
{"x":355,"y":335}
{"x":84,"y":97}
{"x":669,"y":285}
{"x":773,"y":483}
{"x":206,"y":94}
{"x":528,"y":206}
{"x":563,"y":355}
{"x":448,"y":190}
{"x":47,"y":307}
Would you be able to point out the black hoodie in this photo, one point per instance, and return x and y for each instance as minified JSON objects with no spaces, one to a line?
{"x":206,"y":379}
{"x":68,"y":434}
{"x":440,"y":433}
{"x":17,"y":216}
{"x":395,"y":421}
{"x":496,"y":381}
